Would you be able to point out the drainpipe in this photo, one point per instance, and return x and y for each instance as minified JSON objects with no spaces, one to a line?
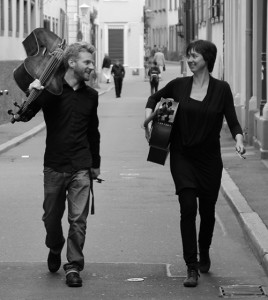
{"x":41,"y":13}
{"x":248,"y":67}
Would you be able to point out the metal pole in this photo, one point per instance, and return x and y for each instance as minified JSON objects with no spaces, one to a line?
{"x":264,"y":57}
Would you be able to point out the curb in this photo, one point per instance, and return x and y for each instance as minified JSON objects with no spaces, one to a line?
{"x":251,"y":224}
{"x":21,"y":138}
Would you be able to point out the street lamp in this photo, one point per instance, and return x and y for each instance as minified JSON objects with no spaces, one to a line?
{"x":82,"y":12}
{"x":84,"y":8}
{"x":179,"y":29}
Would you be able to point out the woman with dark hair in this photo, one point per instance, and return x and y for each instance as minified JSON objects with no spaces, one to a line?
{"x":195,"y":154}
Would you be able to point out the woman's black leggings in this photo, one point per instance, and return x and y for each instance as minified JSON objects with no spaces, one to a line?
{"x":188,"y":205}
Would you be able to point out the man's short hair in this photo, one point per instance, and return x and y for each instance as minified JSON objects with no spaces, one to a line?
{"x":73,"y":50}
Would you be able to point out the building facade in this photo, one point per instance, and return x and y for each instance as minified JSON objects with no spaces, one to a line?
{"x":161,"y":19}
{"x":245,"y":30}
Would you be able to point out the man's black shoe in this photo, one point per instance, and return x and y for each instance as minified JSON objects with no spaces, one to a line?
{"x":73,"y":279}
{"x":53,"y":262}
{"x":204,"y":262}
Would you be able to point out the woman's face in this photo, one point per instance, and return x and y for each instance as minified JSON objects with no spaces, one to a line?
{"x":196,"y":61}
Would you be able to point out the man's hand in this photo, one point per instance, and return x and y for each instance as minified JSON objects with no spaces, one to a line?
{"x":95,"y":173}
{"x":36,"y":84}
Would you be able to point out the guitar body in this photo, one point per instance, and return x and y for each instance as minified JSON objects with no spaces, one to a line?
{"x":161,"y":130}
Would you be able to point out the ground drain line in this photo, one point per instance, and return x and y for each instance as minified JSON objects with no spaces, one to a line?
{"x":240,"y":290}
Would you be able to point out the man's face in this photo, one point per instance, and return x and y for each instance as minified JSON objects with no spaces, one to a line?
{"x":83,"y":66}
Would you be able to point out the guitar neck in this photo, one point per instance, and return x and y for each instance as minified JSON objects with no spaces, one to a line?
{"x":33,"y":95}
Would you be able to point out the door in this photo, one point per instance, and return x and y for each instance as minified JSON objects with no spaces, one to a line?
{"x":116,"y":45}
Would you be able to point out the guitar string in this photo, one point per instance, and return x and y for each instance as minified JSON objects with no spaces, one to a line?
{"x":48,"y":70}
{"x":42,"y":79}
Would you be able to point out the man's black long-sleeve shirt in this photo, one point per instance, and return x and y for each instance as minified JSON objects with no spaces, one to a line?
{"x":73,"y":138}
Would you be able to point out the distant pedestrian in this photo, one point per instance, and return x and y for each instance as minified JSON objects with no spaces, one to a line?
{"x":154,"y":73}
{"x":195,"y":151}
{"x":106,"y":68}
{"x":160,"y":59}
{"x":146,"y":62}
{"x":118,"y":72}
{"x":154,"y":50}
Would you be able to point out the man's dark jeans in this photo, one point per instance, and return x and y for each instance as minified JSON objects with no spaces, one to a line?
{"x":75,"y":187}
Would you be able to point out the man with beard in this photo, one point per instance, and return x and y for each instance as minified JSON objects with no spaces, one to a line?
{"x":71,"y":159}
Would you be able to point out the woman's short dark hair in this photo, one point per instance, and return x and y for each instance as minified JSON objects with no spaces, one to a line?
{"x":207,"y":49}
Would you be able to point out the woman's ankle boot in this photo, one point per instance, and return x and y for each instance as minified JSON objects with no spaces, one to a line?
{"x":204,"y":262}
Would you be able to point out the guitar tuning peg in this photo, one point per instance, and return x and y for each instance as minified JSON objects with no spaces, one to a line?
{"x":2,"y":92}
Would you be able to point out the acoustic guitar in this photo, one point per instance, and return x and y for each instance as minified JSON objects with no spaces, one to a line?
{"x":163,"y":119}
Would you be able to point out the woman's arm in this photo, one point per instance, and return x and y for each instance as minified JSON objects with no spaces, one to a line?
{"x":147,"y":125}
{"x":232,"y":121}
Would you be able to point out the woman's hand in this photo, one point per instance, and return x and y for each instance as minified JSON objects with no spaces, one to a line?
{"x":147,"y":133}
{"x":239,"y":147}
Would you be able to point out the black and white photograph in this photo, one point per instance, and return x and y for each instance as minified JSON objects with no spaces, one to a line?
{"x":133,"y":149}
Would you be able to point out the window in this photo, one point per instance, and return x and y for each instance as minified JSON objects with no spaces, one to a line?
{"x":62,"y":24}
{"x":25,"y":21}
{"x":53,"y":25}
{"x":216,"y":11}
{"x":33,"y":16}
{"x":2,"y":20}
{"x":10,"y":17}
{"x":196,"y":11}
{"x":116,"y":44}
{"x":46,"y":24}
{"x":18,"y":18}
{"x":199,"y":10}
{"x":56,"y":26}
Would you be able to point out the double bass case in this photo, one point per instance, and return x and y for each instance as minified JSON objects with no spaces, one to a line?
{"x":38,"y":46}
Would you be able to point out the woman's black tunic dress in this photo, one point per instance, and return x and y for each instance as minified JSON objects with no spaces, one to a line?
{"x":195,"y":154}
